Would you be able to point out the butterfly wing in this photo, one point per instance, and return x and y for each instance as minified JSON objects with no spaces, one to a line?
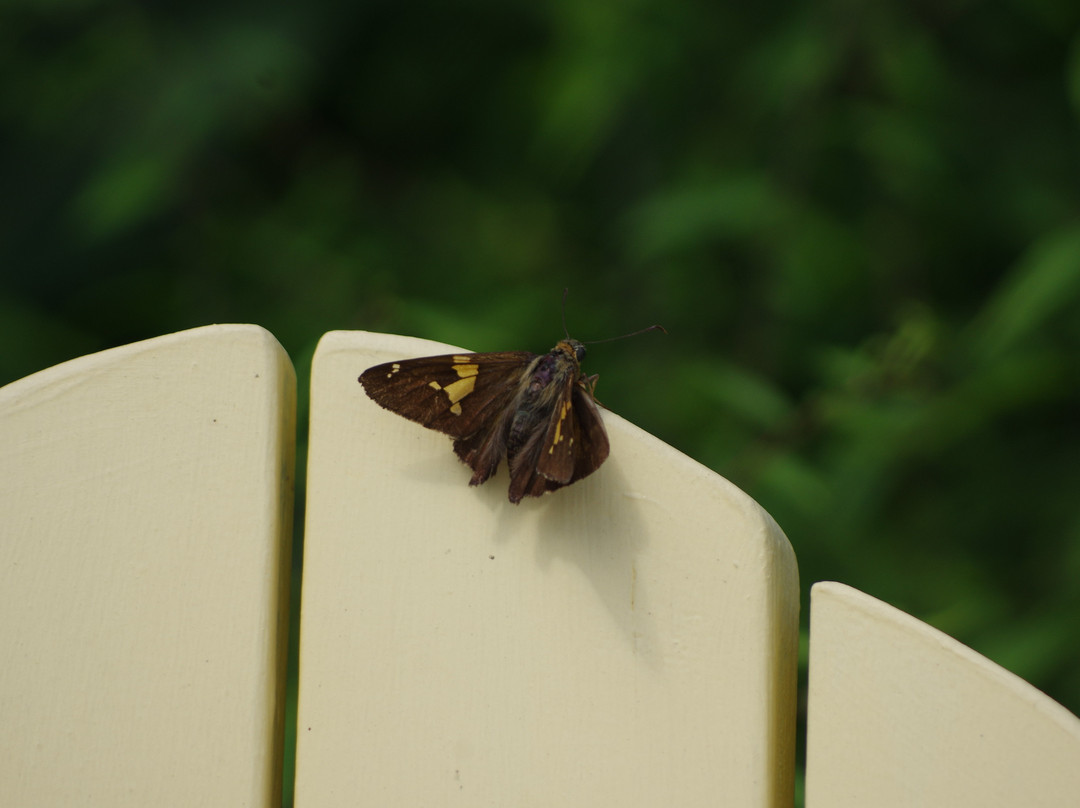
{"x":457,"y":394}
{"x":573,"y":445}
{"x":589,"y":438}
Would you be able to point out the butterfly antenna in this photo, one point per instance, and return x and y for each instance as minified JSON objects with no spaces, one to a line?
{"x":565,"y":292}
{"x":631,"y":334}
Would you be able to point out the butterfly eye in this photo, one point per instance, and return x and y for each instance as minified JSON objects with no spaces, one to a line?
{"x":579,"y":350}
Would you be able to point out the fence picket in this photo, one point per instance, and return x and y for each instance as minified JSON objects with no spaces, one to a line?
{"x":901,"y":714}
{"x":144,"y":502}
{"x":629,"y":640}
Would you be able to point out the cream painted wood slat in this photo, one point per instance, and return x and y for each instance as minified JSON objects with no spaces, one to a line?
{"x":145,"y":497}
{"x":630,"y":640}
{"x":903,"y":715}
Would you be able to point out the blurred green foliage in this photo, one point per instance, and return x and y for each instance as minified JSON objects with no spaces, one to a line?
{"x":859,"y":222}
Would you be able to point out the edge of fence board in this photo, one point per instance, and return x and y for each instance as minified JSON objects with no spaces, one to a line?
{"x":630,"y":639}
{"x":146,"y":496}
{"x":901,"y":714}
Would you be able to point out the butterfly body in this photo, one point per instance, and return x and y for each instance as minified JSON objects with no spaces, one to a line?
{"x":537,"y":411}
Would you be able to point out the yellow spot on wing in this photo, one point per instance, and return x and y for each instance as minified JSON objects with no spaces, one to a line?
{"x":434,"y":385}
{"x":464,"y":371}
{"x":459,"y":360}
{"x":461,"y":388}
{"x":565,"y":408}
{"x":456,"y":409}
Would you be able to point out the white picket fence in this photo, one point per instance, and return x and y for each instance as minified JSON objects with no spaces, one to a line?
{"x":630,"y":640}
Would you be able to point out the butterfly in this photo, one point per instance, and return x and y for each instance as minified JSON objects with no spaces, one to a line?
{"x":538,"y":411}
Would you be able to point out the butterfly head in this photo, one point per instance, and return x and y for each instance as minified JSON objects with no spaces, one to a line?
{"x":572,"y":348}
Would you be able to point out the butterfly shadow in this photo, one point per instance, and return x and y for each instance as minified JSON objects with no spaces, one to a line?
{"x":597,"y":527}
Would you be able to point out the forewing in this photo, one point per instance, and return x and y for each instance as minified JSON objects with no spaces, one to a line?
{"x":577,"y":442}
{"x":573,"y":445}
{"x":458,"y":394}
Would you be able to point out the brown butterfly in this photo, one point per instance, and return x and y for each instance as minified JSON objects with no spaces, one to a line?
{"x":537,"y":410}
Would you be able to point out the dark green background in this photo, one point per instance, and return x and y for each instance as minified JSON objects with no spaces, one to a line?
{"x":859,"y":222}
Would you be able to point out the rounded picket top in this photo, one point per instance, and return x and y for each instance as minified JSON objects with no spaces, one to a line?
{"x":900,"y":714}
